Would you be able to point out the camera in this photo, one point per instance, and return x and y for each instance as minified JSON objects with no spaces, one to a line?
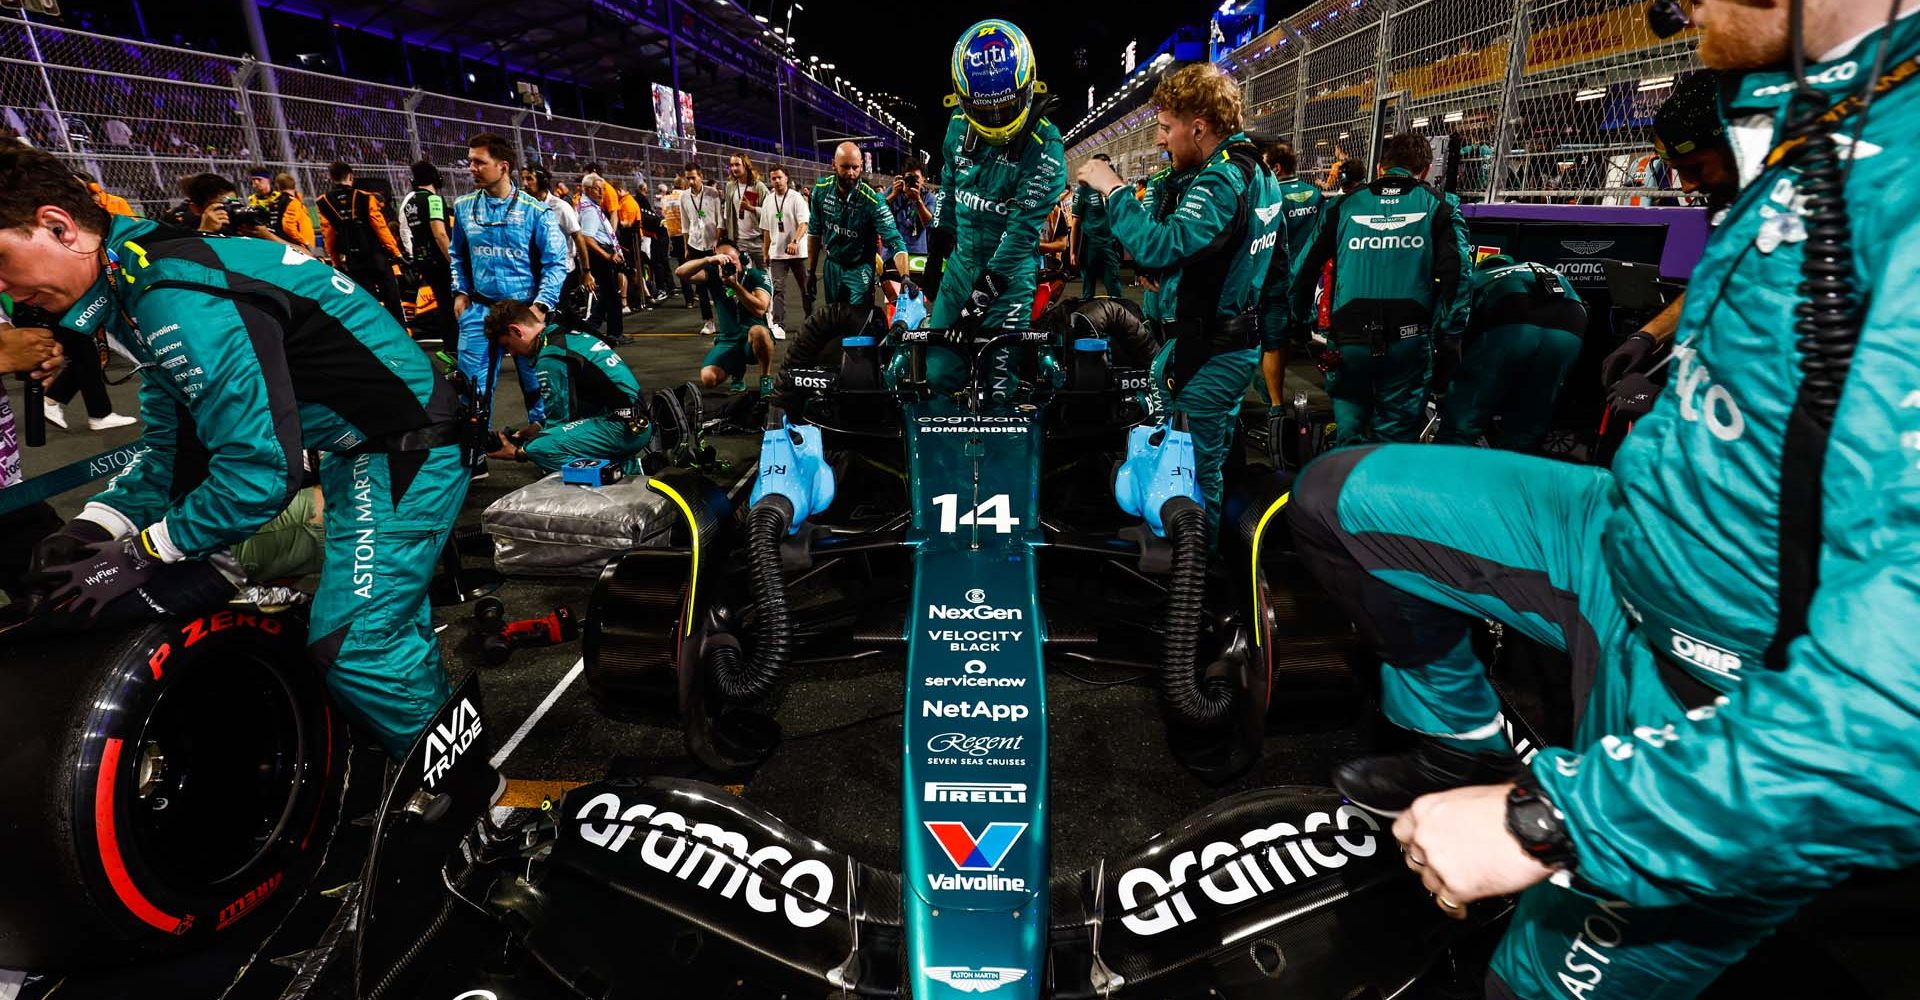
{"x":241,"y":215}
{"x":913,"y":180}
{"x":726,"y":270}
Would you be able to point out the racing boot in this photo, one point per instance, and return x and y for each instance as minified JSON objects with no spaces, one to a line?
{"x":1387,"y":784}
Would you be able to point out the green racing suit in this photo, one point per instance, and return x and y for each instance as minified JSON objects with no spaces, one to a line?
{"x":995,"y":200}
{"x":1212,"y":234}
{"x":253,"y":352}
{"x":1099,"y":254}
{"x":590,"y":394}
{"x":1400,"y":257}
{"x":1707,"y":794}
{"x":849,"y":223}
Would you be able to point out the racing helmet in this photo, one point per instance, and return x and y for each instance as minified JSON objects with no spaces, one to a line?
{"x":994,"y":79}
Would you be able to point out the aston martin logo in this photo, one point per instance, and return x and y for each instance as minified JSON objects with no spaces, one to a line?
{"x":1267,"y":212}
{"x":968,"y":980}
{"x":1389,"y":223}
{"x":1587,"y":247}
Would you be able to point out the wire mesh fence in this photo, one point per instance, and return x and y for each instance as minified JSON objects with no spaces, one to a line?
{"x":139,"y":117}
{"x":1539,"y":100}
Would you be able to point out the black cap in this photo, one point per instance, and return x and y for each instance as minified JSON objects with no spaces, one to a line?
{"x":1690,"y":119}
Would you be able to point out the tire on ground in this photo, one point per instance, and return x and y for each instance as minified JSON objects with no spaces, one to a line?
{"x":158,"y":785}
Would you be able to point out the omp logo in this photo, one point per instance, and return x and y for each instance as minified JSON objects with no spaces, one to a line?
{"x":447,"y":741}
{"x":975,"y":853}
{"x":1386,"y":242}
{"x":1253,"y":873}
{"x":1267,"y":212}
{"x":973,"y":710}
{"x":987,"y":792}
{"x":971,"y":980}
{"x":87,"y":314}
{"x":1389,"y":223}
{"x":723,"y":859}
{"x":976,"y":613}
{"x":1832,"y":74}
{"x":1587,"y":247}
{"x":1705,"y":655}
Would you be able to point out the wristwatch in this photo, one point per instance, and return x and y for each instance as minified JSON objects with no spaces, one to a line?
{"x":1538,"y":825}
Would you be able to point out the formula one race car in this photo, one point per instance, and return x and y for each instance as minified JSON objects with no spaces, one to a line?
{"x":951,"y":498}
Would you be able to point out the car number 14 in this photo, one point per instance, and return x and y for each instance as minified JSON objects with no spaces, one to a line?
{"x":995,"y":513}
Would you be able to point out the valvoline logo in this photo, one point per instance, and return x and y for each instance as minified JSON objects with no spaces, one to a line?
{"x":971,"y":853}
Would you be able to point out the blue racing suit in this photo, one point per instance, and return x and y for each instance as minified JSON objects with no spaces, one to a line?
{"x":503,"y":248}
{"x":1707,"y":796}
{"x":252,"y":353}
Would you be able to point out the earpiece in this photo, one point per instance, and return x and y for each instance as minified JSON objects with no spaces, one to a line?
{"x":59,"y":231}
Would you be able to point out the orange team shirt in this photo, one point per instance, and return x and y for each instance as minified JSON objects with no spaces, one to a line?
{"x":629,"y":209}
{"x":670,"y":214}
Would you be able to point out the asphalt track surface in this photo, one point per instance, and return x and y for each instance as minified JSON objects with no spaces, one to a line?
{"x":836,"y":775}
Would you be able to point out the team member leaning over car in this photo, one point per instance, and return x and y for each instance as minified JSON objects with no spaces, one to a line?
{"x":1211,"y":236}
{"x":593,"y":400}
{"x":1399,"y":252}
{"x":1522,"y":338}
{"x":252,"y":352}
{"x":1738,"y":594}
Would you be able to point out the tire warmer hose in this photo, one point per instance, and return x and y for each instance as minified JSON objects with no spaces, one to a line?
{"x":1190,"y":702}
{"x":773,"y":623}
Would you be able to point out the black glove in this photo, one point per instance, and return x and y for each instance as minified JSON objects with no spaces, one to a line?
{"x":1632,"y":397}
{"x":1625,"y":358}
{"x":986,"y":289}
{"x":67,"y":545}
{"x":1446,"y":358}
{"x":102,"y":573}
{"x":908,"y":289}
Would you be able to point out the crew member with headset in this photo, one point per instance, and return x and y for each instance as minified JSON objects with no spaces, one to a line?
{"x":252,"y":354}
{"x":1737,"y":595}
{"x":286,"y":217}
{"x":1003,"y":168}
{"x":358,"y":240}
{"x":505,"y":245}
{"x":849,"y":217}
{"x":1523,"y":335}
{"x":1400,"y":266}
{"x":594,"y":407}
{"x":1212,"y":234}
{"x":424,"y":237}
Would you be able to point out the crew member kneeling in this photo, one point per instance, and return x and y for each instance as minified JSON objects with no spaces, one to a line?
{"x":252,"y":352}
{"x":1522,"y":339}
{"x":593,"y":400}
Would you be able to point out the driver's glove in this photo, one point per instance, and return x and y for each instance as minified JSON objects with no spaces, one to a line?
{"x":986,"y":289}
{"x":908,"y":290}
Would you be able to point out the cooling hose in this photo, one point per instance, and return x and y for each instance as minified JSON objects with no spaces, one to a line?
{"x":1188,"y":700}
{"x":773,"y":620}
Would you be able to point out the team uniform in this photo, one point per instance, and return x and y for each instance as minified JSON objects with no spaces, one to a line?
{"x":996,"y":200}
{"x":1099,"y":254}
{"x":255,"y":351}
{"x":1302,"y":213}
{"x":1523,"y":335}
{"x":848,"y":224}
{"x":361,"y":244}
{"x":731,"y":351}
{"x":593,"y":403}
{"x":419,"y":210}
{"x":1399,"y":252}
{"x":1211,"y":234}
{"x":1707,"y":796}
{"x":503,"y":248}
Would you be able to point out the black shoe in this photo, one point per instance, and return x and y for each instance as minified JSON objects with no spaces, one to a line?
{"x":1388,"y":784}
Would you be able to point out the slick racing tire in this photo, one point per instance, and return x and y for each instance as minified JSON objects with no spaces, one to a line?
{"x":159,"y":785}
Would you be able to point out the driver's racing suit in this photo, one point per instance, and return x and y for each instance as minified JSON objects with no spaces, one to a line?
{"x":252,"y":352}
{"x":592,"y":399}
{"x":1707,"y":795}
{"x":1212,"y":234}
{"x":994,"y":200}
{"x":503,"y":248}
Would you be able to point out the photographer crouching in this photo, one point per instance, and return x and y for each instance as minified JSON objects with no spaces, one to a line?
{"x":251,"y":354}
{"x":740,"y":311}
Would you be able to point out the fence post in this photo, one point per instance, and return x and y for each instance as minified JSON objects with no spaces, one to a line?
{"x":1509,"y":100}
{"x":410,"y":106}
{"x":1381,"y":50}
{"x":593,"y":142}
{"x":53,"y":100}
{"x":1299,"y":90}
{"x":241,"y":75}
{"x":519,"y":145}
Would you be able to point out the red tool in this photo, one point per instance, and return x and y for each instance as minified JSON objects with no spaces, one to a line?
{"x":503,"y":637}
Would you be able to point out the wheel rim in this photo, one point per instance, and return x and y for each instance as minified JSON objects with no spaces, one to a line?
{"x":217,"y":772}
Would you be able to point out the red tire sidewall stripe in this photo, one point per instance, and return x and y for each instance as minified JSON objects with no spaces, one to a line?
{"x":106,"y":838}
